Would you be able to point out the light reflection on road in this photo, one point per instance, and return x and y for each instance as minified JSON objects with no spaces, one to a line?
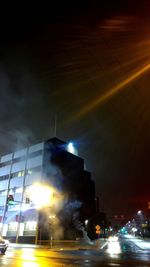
{"x":29,"y":259}
{"x":116,"y":252}
{"x":113,"y":248}
{"x":30,"y":264}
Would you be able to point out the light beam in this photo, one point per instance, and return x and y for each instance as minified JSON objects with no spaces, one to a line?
{"x":115,"y":89}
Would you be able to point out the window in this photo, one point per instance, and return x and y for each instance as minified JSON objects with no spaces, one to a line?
{"x":20,"y":174}
{"x":3,"y":193}
{"x":3,"y":164}
{"x":12,"y":226}
{"x":35,"y":154}
{"x":19,"y":159}
{"x":4,"y":177}
{"x":34,"y":170}
{"x":30,"y":226}
{"x":17,"y":174}
{"x":29,"y":172}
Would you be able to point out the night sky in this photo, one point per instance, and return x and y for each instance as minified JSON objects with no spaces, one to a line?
{"x":87,"y":63}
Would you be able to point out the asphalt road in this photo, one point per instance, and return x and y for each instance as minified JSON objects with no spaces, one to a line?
{"x":125,"y":252}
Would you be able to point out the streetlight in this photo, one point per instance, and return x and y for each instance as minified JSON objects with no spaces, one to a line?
{"x":134,"y":230}
{"x":86,"y":222}
{"x":141,"y":222}
{"x":139,"y":212}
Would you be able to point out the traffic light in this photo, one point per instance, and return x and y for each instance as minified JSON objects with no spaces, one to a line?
{"x":10,"y":200}
{"x":27,"y":200}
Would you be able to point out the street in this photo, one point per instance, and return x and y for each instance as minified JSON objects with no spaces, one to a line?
{"x":124,"y":252}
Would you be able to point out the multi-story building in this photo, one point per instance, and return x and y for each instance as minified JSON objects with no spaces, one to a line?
{"x":52,"y":162}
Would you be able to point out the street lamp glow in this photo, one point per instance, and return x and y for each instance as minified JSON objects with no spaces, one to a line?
{"x":52,"y":216}
{"x":139,"y":212}
{"x":86,"y":222}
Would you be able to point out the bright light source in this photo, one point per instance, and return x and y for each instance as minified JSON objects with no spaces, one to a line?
{"x":71,"y":148}
{"x":52,"y":216}
{"x":113,"y":238}
{"x":139,"y":212}
{"x":41,"y":195}
{"x":134,"y":229}
{"x":113,"y":247}
{"x":86,"y":222}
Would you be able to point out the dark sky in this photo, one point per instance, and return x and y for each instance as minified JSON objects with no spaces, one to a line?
{"x":87,"y":62}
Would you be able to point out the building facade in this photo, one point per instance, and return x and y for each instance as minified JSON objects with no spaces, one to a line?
{"x":53,"y":163}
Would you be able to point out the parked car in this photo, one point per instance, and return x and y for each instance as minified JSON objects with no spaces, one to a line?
{"x":3,"y":245}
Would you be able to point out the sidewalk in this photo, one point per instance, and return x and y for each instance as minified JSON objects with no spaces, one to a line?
{"x":141,"y":243}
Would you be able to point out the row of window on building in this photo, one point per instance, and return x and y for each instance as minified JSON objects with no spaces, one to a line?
{"x":13,"y":226}
{"x":20,"y":173}
{"x":18,"y":159}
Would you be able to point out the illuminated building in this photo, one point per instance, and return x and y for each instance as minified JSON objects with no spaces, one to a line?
{"x":50,"y":162}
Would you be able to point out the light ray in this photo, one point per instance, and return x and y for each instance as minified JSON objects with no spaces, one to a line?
{"x":115,"y":89}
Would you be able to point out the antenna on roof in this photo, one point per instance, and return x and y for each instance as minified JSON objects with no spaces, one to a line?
{"x":55,"y":126}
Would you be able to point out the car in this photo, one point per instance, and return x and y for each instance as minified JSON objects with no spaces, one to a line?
{"x":3,"y":245}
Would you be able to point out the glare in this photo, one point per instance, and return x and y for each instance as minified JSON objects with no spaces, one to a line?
{"x":71,"y":147}
{"x":41,"y":195}
{"x":52,"y":216}
{"x":28,"y":258}
{"x":115,"y":89}
{"x":30,"y":264}
{"x":140,"y":243}
{"x":114,"y":247}
{"x":86,"y":222}
{"x":139,"y":212}
{"x":113,"y":238}
{"x":134,"y":229}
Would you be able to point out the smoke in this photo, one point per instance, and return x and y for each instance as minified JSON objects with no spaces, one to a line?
{"x":21,"y":102}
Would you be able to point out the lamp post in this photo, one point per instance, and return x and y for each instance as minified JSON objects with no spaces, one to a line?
{"x":141,"y":221}
{"x":51,"y":222}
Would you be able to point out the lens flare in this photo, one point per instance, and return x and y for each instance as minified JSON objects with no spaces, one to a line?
{"x":115,"y":89}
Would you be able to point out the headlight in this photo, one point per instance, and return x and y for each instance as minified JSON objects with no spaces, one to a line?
{"x":113,"y":238}
{"x":7,"y":242}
